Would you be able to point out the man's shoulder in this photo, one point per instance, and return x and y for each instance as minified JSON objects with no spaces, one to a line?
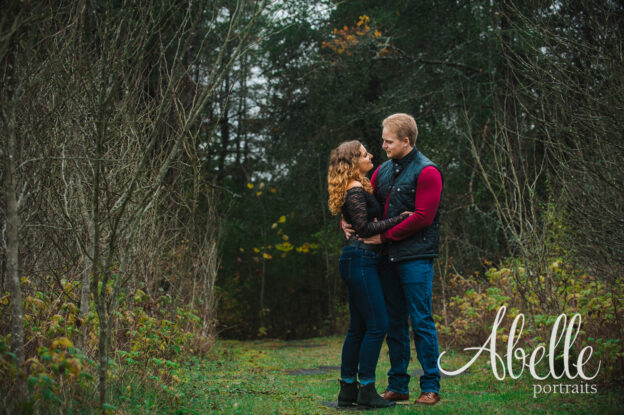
{"x":424,"y":158}
{"x":427,"y":165}
{"x":423,"y":161}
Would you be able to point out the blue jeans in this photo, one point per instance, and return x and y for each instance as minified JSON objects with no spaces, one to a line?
{"x":369,"y":319}
{"x":408,"y":287}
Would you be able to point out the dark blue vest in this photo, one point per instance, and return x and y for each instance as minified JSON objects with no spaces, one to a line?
{"x":399,"y":178}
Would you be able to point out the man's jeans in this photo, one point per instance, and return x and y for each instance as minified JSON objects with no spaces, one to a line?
{"x":369,"y":318}
{"x":408,"y":288}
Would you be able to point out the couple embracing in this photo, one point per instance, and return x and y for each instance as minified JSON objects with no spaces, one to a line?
{"x":392,"y":227}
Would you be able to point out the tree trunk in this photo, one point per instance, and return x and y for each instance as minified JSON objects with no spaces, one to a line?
{"x":327,"y":273}
{"x":85,"y":300}
{"x":225,"y":126}
{"x":12,"y":253}
{"x":100,"y":303}
{"x":263,"y":233}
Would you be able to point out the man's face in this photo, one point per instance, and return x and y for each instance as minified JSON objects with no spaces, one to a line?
{"x":395,"y":147}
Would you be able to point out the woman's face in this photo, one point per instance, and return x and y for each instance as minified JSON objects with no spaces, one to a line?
{"x":366,"y":160}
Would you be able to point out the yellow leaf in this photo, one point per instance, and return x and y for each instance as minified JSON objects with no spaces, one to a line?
{"x":241,"y":249}
{"x":267,"y":256}
{"x":285,"y":237}
{"x":258,"y":193}
{"x":282,"y":219}
{"x":261,"y":186}
{"x":62,"y":342}
{"x":250,"y":185}
{"x":273,"y":190}
{"x":285,"y":247}
{"x":274,"y":226}
{"x":256,"y":250}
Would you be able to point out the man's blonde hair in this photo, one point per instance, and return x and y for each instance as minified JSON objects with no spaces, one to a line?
{"x":403,"y":125}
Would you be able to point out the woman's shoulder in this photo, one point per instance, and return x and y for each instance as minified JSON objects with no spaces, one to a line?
{"x":354,"y":185}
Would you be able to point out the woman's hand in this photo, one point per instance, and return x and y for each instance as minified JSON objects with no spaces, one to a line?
{"x":407,"y":213}
{"x":373,"y":240}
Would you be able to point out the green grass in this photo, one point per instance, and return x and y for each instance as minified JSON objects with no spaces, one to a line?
{"x":253,"y":378}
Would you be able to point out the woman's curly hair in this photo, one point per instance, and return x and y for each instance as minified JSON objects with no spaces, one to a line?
{"x":343,"y":169}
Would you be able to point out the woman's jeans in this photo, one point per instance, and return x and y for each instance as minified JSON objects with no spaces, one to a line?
{"x":369,"y":318}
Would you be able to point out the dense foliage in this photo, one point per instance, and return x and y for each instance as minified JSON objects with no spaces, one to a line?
{"x":164,"y":173}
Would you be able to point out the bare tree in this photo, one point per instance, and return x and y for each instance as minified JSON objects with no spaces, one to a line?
{"x":11,"y":245}
{"x":125,"y":87}
{"x":20,"y":73}
{"x":117,"y":210}
{"x":551,"y":159}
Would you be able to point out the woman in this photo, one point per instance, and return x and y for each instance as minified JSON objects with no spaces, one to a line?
{"x":350,"y":193}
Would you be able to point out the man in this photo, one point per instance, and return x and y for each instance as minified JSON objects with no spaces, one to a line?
{"x":408,"y":182}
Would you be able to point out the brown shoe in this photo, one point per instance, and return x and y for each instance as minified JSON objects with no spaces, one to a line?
{"x":428,"y":398}
{"x":394,"y":396}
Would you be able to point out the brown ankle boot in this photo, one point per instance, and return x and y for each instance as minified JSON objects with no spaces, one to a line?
{"x":428,"y":398}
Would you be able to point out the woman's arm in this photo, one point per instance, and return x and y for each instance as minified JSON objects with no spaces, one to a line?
{"x":355,"y":209}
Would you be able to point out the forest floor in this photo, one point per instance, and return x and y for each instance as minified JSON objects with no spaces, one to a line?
{"x":300,"y":377}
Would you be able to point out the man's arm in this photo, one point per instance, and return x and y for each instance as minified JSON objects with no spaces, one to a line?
{"x":428,"y":192}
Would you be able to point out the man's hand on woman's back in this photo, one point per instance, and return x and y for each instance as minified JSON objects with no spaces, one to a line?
{"x":346,"y":228}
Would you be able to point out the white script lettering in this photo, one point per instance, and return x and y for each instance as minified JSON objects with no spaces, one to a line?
{"x":518,"y":354}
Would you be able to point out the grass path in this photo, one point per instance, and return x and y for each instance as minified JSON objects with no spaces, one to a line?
{"x":265,"y":377}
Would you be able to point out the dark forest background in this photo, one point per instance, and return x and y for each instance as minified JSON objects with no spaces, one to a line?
{"x":164,"y":170}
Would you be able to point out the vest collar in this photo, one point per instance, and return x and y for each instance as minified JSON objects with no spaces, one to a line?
{"x":400,"y":163}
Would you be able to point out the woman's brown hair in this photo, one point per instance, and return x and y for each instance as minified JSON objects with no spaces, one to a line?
{"x":343,"y":169}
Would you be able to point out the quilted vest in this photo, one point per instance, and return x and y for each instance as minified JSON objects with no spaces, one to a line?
{"x":399,"y":179}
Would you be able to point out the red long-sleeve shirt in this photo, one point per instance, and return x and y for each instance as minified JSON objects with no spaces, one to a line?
{"x":428,"y":192}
